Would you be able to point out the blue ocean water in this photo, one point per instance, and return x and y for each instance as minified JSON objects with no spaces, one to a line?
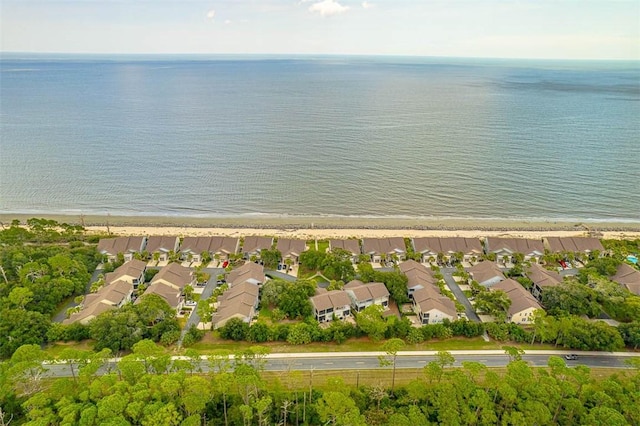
{"x":415,"y":137}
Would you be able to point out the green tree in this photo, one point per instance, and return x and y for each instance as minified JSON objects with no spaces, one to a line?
{"x":391,"y":347}
{"x":371,"y":322}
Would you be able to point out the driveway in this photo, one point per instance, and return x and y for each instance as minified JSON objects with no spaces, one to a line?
{"x":62,"y":314}
{"x":462,"y":298}
{"x":194,"y":318}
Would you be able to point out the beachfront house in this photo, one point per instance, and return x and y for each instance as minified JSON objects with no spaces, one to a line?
{"x":249,"y":272}
{"x":159,"y":247}
{"x":505,"y":249}
{"x":418,"y":276}
{"x":447,"y":249}
{"x":328,"y":305}
{"x":351,"y":246}
{"x":628,"y":277}
{"x":384,"y":249}
{"x":290,"y":249}
{"x":127,"y":246}
{"x":253,"y":245}
{"x":363,"y":295}
{"x":486,"y":273}
{"x":240,"y":301}
{"x":431,"y":307}
{"x":542,"y":279}
{"x":220,"y":248}
{"x":523,"y":304}
{"x":576,"y":245}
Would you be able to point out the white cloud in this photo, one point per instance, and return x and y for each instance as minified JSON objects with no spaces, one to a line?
{"x":328,"y":8}
{"x":227,"y":22}
{"x":211,"y":14}
{"x":366,"y":5}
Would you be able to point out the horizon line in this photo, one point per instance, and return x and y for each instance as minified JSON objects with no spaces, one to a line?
{"x":363,"y":55}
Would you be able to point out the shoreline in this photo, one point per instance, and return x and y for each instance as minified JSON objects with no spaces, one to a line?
{"x":336,"y":227}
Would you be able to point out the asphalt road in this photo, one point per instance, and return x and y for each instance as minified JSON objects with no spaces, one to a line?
{"x":370,"y":360}
{"x":458,"y":293}
{"x":194,"y":318}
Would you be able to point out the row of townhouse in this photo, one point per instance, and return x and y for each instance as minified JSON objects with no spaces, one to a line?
{"x":242,"y":298}
{"x":116,"y":292}
{"x":120,"y":284}
{"x":428,"y":303}
{"x":355,"y":296}
{"x":430,"y":249}
{"x":192,"y":248}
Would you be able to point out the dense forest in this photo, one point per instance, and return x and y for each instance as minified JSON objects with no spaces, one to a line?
{"x":147,"y":388}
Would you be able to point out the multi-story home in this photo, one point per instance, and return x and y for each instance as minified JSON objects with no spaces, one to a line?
{"x":363,"y":295}
{"x":127,"y":246}
{"x":328,"y":305}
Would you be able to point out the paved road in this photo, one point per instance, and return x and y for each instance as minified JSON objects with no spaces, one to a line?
{"x":405,"y":360}
{"x":278,"y":274}
{"x":62,"y":314}
{"x":462,"y":298}
{"x":194,"y":318}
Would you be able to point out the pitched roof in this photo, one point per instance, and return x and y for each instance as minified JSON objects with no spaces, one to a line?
{"x":133,"y":268}
{"x":629,"y":277}
{"x":254,"y":243}
{"x":239,"y":290}
{"x":428,"y":300}
{"x":174,"y":274}
{"x":240,"y":300}
{"x":521,"y":299}
{"x":485,"y":271}
{"x":225,"y":245}
{"x":352,"y":246}
{"x":525,"y":246}
{"x":113,"y":246}
{"x":330,"y":299}
{"x":237,"y":308}
{"x":447,"y":245}
{"x":162,"y":243}
{"x":362,"y":292}
{"x":288,"y":246}
{"x":251,"y":272}
{"x":113,"y":293}
{"x":168,"y":293}
{"x":379,"y":246}
{"x":543,"y":277}
{"x":88,"y":313}
{"x":573,"y":244}
{"x":417,"y":274}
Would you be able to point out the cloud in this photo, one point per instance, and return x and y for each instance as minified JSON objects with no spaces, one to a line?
{"x":211,"y":14}
{"x":328,"y":8}
{"x":366,"y":5}
{"x":227,"y":22}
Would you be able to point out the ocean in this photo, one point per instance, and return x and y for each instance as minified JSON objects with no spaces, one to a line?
{"x":222,"y":136}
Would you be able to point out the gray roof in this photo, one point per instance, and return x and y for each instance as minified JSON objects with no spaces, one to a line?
{"x":174,"y":274}
{"x":543,"y":277}
{"x":113,"y":246}
{"x":572,"y":244}
{"x":417,"y":274}
{"x":168,"y":293}
{"x":330,"y":299}
{"x":133,"y":268}
{"x":526,"y":246}
{"x":362,"y":292}
{"x":428,"y":299}
{"x":215,"y":245}
{"x":521,"y":299}
{"x":378,"y":246}
{"x":251,"y":272}
{"x":352,"y":246}
{"x":485,"y":271}
{"x":288,"y":246}
{"x":447,"y":245}
{"x":162,"y":244}
{"x":255,"y":244}
{"x":629,"y":277}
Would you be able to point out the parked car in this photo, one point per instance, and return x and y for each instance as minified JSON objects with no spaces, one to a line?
{"x":225,"y":264}
{"x":571,"y":357}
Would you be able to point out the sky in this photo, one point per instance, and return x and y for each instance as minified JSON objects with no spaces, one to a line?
{"x":555,"y":29}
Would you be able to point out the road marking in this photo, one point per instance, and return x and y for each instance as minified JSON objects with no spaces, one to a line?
{"x":360,"y":362}
{"x":328,"y":363}
{"x":422,"y":362}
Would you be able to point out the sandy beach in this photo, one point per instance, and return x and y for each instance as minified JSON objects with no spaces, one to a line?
{"x":337,"y":227}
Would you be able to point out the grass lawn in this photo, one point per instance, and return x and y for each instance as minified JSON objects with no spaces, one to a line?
{"x":323,"y":245}
{"x":212,"y":343}
{"x":52,"y":350}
